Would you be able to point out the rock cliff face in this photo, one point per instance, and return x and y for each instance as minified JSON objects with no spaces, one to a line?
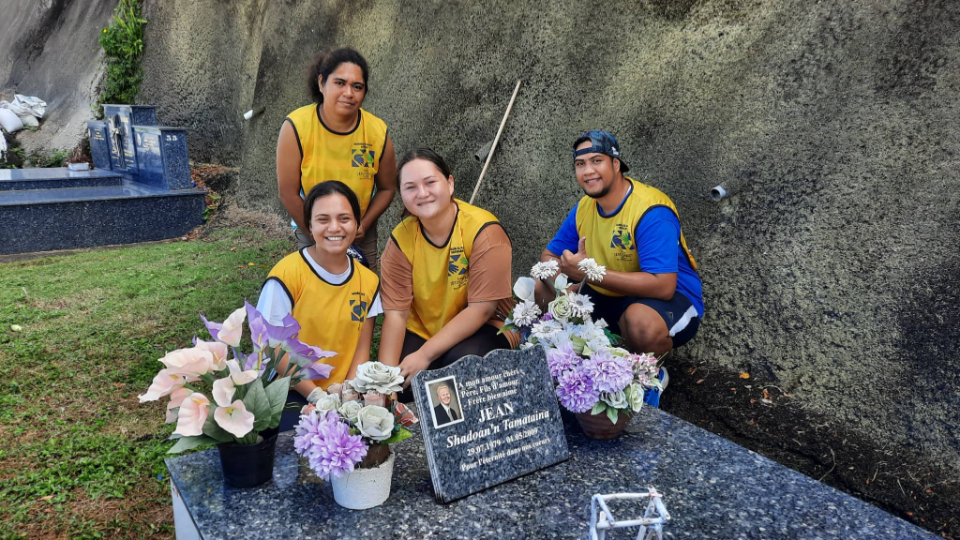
{"x":50,"y":49}
{"x":834,"y":266}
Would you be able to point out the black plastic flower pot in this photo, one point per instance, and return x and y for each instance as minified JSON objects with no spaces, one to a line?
{"x":249,"y":465}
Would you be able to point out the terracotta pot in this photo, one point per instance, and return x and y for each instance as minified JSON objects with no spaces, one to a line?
{"x":364,"y":488}
{"x":249,"y":465}
{"x":599,"y":426}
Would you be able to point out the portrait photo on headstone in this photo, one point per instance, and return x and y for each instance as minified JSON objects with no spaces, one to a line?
{"x":445,"y":402}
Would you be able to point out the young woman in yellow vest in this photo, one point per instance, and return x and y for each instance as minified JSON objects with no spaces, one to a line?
{"x":335,"y":139}
{"x":334,"y":300}
{"x":445,"y":274}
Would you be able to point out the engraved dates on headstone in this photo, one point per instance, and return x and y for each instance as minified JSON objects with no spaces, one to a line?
{"x":488,"y":420}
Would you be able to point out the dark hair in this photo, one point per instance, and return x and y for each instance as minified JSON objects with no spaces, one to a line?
{"x":429,"y":155}
{"x":325,"y":189}
{"x":327,"y":62}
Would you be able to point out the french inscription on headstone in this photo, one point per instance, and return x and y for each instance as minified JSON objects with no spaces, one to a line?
{"x":488,"y":420}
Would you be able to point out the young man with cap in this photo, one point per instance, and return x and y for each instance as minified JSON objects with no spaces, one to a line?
{"x":651,"y":294}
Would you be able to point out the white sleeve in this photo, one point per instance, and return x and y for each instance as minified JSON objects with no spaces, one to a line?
{"x":274,"y":303}
{"x":376,"y":308}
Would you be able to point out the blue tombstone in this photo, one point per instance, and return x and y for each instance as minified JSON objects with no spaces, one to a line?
{"x":162,"y":155}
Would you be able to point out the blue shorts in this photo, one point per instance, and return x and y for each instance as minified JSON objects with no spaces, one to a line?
{"x":679,"y":314}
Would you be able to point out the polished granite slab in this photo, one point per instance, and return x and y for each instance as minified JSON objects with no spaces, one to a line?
{"x":123,"y":190}
{"x":714,"y":489}
{"x":30,"y":179}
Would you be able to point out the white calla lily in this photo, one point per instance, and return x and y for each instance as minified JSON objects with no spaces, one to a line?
{"x":524,"y":288}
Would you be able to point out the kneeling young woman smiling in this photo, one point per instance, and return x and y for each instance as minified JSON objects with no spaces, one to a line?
{"x":334,"y":299}
{"x":446,"y":274}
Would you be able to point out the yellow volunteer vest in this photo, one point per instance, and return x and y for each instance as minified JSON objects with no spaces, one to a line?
{"x":440,"y":273}
{"x":330,"y":316}
{"x":352,"y":158}
{"x":610,"y":239}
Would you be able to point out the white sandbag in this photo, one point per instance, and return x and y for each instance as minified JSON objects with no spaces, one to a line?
{"x":29,"y":121}
{"x":34,"y":105}
{"x":10,"y":122}
{"x":3,"y":147}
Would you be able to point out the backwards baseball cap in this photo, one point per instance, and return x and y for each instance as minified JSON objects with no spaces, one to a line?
{"x":601,"y":142}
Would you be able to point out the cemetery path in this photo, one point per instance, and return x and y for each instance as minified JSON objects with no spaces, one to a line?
{"x":759,"y":415}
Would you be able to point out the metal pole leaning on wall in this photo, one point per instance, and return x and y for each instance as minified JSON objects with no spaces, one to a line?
{"x":493,"y":148}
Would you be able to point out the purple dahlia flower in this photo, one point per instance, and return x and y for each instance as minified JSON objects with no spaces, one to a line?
{"x":576,"y":391}
{"x":610,"y":373}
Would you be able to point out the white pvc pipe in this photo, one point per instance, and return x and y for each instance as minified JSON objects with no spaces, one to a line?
{"x":718,"y":193}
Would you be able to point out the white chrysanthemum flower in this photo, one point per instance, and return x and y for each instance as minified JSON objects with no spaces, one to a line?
{"x":546,"y":269}
{"x":580,"y":305}
{"x":594,"y":271}
{"x":545,"y":331}
{"x":526,"y":313}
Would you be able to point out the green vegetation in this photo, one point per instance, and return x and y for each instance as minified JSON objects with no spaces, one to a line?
{"x":79,"y":338}
{"x":57,"y":158}
{"x":122,"y":42}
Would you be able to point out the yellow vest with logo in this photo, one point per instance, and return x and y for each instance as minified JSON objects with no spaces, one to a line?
{"x":352,"y":158}
{"x":330,"y":316}
{"x":610,"y":239}
{"x":440,"y":273}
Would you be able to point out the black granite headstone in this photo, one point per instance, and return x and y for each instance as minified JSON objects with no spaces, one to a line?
{"x":488,"y":420}
{"x":99,"y":147}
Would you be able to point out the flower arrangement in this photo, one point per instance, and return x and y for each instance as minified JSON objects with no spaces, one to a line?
{"x":590,"y":372}
{"x":245,"y":399}
{"x":350,"y":425}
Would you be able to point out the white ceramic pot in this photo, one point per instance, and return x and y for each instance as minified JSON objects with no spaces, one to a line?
{"x":364,"y":488}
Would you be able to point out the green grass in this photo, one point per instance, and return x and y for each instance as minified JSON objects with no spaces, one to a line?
{"x":81,"y":457}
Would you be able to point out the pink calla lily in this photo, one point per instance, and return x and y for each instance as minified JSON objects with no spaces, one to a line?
{"x":230,"y":330}
{"x":223,"y":391}
{"x":238,"y":376}
{"x":193,"y":413}
{"x":176,"y":399}
{"x":191,"y":363}
{"x":234,"y":418}
{"x":219,"y":350}
{"x":163,"y":384}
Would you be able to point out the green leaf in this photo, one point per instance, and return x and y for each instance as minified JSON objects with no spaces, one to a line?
{"x":276,"y":394}
{"x":189,"y":443}
{"x":612,"y":414}
{"x":401,"y":434}
{"x":257,"y":402}
{"x":598,"y":408}
{"x":214,"y":431}
{"x":507,"y":328}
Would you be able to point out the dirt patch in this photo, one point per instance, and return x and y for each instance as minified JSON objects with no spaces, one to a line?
{"x":757,"y":414}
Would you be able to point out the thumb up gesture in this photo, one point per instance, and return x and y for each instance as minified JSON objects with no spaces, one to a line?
{"x":569,"y":261}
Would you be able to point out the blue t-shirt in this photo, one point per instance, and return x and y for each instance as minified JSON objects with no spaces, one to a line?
{"x":658,"y":248}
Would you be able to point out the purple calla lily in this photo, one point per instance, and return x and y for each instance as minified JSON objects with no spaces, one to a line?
{"x":316,"y":370}
{"x":304,"y":354}
{"x":212,"y":327}
{"x":259,"y":327}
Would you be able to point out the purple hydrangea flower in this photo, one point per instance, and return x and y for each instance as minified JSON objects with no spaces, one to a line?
{"x":610,"y":373}
{"x":328,"y":445}
{"x":562,"y":359}
{"x":576,"y":391}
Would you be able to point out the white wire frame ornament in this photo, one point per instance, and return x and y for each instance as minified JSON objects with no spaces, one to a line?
{"x":651,"y":524}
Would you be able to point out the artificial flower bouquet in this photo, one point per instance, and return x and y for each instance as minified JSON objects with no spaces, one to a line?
{"x":591,"y":374}
{"x":245,"y":399}
{"x":349,"y":426}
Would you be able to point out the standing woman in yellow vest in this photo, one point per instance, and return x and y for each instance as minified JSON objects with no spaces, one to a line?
{"x":334,"y":139}
{"x":445,"y":274}
{"x":334,"y":300}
